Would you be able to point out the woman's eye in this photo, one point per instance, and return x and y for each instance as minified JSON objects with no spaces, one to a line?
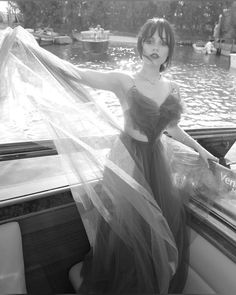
{"x":148,"y":41}
{"x":164,"y":43}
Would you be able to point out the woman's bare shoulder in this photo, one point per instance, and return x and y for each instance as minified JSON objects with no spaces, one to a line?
{"x":123,"y":76}
{"x":171,"y":82}
{"x":173,"y":86}
{"x":125,"y":79}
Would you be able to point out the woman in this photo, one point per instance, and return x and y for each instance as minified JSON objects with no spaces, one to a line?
{"x":151,"y":104}
{"x":139,"y":242}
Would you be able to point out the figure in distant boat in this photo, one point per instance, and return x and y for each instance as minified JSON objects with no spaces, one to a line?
{"x":209,"y":47}
{"x":205,"y":48}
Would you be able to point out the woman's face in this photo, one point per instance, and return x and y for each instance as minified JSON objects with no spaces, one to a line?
{"x":155,"y":49}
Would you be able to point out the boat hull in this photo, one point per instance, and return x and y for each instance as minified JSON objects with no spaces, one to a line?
{"x":202,"y":49}
{"x":62,"y":40}
{"x":225,"y":48}
{"x":53,"y":235}
{"x":233,"y":60}
{"x":94,"y":43}
{"x":43,"y":39}
{"x":95,"y":48}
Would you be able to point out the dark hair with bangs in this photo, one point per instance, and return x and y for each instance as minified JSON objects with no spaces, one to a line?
{"x":148,"y":30}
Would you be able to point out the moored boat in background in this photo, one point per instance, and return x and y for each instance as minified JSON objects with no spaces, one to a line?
{"x":205,"y":48}
{"x":94,"y":42}
{"x":225,"y":47}
{"x":62,"y":40}
{"x":233,"y":60}
{"x":47,"y":36}
{"x":199,"y":47}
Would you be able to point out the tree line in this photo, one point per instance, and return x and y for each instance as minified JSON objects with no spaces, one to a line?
{"x":189,"y":17}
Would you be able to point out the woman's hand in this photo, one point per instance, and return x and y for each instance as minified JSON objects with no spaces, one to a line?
{"x":179,"y":134}
{"x":206,"y":156}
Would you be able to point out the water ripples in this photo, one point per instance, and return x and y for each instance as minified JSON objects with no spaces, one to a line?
{"x":208,"y":89}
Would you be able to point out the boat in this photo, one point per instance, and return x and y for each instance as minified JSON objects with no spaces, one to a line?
{"x":94,"y":42}
{"x":44,"y":40}
{"x":201,"y":47}
{"x":233,"y":60}
{"x":45,"y":36}
{"x":62,"y":40}
{"x":225,"y":48}
{"x":43,"y":236}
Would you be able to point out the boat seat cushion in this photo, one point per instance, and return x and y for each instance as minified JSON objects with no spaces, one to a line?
{"x":74,"y":276}
{"x":12,"y":278}
{"x":211,"y":271}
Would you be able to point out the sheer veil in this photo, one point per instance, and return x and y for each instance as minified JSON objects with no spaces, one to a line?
{"x":103,"y":177}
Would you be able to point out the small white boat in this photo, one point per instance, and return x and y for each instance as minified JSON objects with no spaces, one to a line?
{"x":45,"y":36}
{"x":202,"y":48}
{"x":94,"y":42}
{"x":233,"y":60}
{"x":62,"y":40}
{"x":198,"y":48}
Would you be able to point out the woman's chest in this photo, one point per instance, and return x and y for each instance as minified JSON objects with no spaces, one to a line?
{"x":156,"y":93}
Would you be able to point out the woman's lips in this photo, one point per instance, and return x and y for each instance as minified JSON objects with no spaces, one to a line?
{"x":154,"y":56}
{"x":147,"y":57}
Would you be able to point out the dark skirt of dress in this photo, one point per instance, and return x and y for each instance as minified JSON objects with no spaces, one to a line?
{"x":111,"y":266}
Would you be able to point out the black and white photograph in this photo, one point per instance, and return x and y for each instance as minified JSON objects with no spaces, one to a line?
{"x":118,"y":147}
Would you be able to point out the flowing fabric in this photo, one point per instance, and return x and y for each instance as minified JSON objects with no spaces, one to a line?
{"x":135,"y":220}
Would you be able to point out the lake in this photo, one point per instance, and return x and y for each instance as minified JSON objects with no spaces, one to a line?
{"x":207,"y":86}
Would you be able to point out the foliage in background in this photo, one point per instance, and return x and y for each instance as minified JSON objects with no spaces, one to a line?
{"x":189,"y":17}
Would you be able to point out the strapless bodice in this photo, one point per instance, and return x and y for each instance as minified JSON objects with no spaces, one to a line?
{"x":149,"y":118}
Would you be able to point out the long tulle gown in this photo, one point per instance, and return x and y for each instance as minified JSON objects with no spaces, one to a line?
{"x":112,"y":266}
{"x":136,"y":224}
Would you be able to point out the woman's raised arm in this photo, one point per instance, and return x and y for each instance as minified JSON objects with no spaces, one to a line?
{"x":106,"y":80}
{"x":109,"y":80}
